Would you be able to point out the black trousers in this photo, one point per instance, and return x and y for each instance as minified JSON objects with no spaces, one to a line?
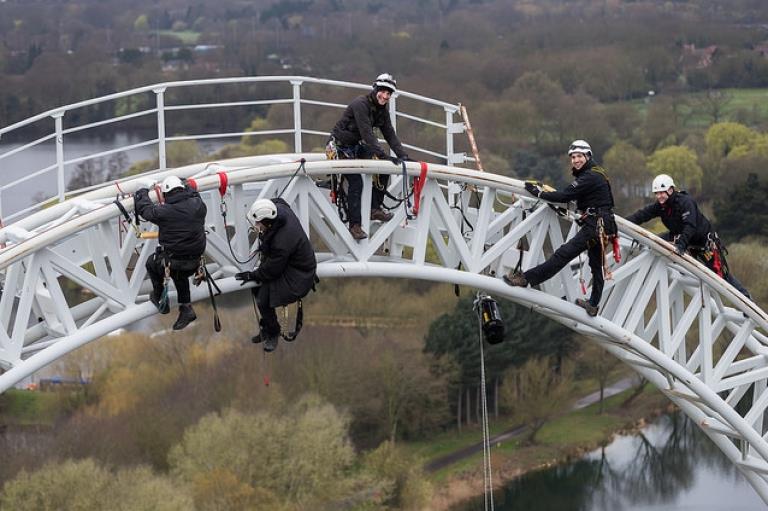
{"x":355,"y":194}
{"x":269,"y":322}
{"x":728,"y":277}
{"x":181,"y":270}
{"x":586,"y":239}
{"x":698,"y":254}
{"x":355,"y":182}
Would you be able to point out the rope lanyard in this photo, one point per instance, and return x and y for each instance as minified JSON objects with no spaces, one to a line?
{"x":487,"y":473}
{"x":211,"y":286}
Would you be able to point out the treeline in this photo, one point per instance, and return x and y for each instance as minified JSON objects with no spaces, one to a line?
{"x":470,"y":50}
{"x":197,"y":417}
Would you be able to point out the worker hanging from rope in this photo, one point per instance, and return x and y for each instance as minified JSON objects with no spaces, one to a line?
{"x":286,"y":271}
{"x":689,"y":229}
{"x":181,"y":225}
{"x":594,"y":200}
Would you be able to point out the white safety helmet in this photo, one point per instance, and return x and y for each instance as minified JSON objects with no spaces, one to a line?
{"x":262,"y":209}
{"x":171,"y":183}
{"x":387,"y":81}
{"x":580,"y":146}
{"x":662,"y":183}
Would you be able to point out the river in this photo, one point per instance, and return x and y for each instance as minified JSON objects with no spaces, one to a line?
{"x":75,"y":146}
{"x":670,"y":465}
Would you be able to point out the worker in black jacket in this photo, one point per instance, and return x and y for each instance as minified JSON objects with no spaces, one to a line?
{"x":181,"y":225}
{"x":689,"y":229}
{"x":286,"y":272}
{"x":352,"y":138}
{"x":594,"y":200}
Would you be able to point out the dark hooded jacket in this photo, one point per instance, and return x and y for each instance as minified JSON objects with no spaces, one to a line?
{"x":590,"y":189}
{"x":357,"y":123}
{"x":681,"y":216}
{"x":592,"y":192}
{"x":288,"y":261}
{"x":181,"y":221}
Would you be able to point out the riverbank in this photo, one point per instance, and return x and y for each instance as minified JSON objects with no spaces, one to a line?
{"x":562,"y":440}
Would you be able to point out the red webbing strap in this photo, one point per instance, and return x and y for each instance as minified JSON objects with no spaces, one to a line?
{"x":223,"y":180}
{"x":717,"y":264}
{"x":418,"y":184}
{"x":192,"y":183}
{"x":159,"y":194}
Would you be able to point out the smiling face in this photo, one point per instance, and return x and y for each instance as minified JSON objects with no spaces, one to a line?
{"x":383,"y":95}
{"x":661,"y":197}
{"x":578,"y":160}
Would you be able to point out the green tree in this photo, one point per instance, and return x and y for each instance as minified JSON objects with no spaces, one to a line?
{"x":627,"y":169}
{"x":723,"y":137}
{"x":402,"y":473}
{"x":679,"y":162}
{"x":141,"y":24}
{"x":742,"y":212}
{"x":527,"y":335}
{"x":257,"y":124}
{"x":537,"y":392}
{"x":301,"y":456}
{"x":86,"y":485}
{"x":183,"y":152}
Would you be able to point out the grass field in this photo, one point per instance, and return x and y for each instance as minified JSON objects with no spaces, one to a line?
{"x":735,"y":105}
{"x":574,"y":431}
{"x":186,"y":36}
{"x":25,"y":407}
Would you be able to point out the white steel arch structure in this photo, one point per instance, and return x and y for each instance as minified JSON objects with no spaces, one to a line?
{"x":668,"y":317}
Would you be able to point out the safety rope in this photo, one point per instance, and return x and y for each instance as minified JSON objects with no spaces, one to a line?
{"x":223,"y":184}
{"x":211,"y":286}
{"x":487,"y":474}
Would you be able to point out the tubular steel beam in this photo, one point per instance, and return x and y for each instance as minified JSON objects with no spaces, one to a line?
{"x":668,"y":317}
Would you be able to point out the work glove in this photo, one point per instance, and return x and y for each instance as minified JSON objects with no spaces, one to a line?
{"x":395,"y":160}
{"x":679,"y":249}
{"x":138,"y":194}
{"x":532,"y":189}
{"x":247,"y":276}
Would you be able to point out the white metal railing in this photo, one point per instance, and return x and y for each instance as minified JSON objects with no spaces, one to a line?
{"x":57,"y":171}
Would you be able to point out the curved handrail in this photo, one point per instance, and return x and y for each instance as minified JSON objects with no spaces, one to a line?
{"x":58,"y":132}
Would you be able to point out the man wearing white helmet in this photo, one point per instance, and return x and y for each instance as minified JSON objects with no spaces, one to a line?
{"x":352,"y":138}
{"x":286,"y":271}
{"x":689,"y":229}
{"x":181,"y":225}
{"x":594,"y":200}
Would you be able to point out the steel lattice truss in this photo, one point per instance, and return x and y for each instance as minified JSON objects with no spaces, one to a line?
{"x":668,"y":317}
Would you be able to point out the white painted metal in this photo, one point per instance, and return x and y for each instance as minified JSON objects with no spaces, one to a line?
{"x":672,"y":320}
{"x":690,"y":333}
{"x":39,"y":179}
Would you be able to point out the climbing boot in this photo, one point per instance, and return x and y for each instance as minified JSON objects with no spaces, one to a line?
{"x":270,"y":341}
{"x":186,"y":316}
{"x":591,"y":309}
{"x":163,"y":307}
{"x":515,"y":278}
{"x":381,"y":215}
{"x":357,"y":232}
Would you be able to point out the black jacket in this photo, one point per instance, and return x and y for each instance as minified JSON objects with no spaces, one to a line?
{"x":357,"y":123}
{"x":590,"y":189}
{"x":681,"y":216}
{"x":287,"y":258}
{"x":592,"y":192}
{"x":181,"y":221}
